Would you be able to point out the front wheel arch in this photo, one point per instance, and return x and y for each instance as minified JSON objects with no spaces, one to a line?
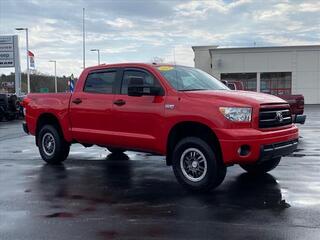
{"x":191,"y":129}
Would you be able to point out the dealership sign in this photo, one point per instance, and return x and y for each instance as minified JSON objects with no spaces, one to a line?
{"x":7,"y":57}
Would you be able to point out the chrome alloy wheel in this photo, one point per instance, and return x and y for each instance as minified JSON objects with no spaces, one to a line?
{"x":193,"y":164}
{"x":48,"y":144}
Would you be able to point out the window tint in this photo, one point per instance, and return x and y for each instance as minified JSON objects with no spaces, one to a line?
{"x":148,"y":79}
{"x":100,"y":82}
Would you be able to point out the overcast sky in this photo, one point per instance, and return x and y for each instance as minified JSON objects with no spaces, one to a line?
{"x":138,"y":30}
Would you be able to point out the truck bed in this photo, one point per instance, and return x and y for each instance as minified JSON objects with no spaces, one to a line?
{"x":56,"y":104}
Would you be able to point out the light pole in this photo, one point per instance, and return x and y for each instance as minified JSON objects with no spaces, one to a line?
{"x":55,"y":75}
{"x":27,"y":47}
{"x":98,"y":51}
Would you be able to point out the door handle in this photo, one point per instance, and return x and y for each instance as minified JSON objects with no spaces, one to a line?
{"x":77,"y":101}
{"x":119,"y":102}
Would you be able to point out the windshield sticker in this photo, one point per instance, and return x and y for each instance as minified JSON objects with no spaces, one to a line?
{"x":165,"y":68}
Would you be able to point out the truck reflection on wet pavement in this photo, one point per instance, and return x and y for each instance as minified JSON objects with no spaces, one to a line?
{"x":97,"y":195}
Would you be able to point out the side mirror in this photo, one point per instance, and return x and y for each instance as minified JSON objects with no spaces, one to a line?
{"x":137,"y":88}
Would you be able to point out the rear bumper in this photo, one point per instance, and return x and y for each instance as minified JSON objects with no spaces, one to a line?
{"x":263,"y":145}
{"x":300,"y":119}
{"x":25,"y":128}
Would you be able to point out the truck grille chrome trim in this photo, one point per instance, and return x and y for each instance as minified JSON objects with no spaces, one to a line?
{"x":279,"y":149}
{"x":274,"y":117}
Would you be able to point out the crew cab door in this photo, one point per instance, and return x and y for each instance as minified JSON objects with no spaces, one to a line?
{"x":91,"y":108}
{"x":138,"y":121}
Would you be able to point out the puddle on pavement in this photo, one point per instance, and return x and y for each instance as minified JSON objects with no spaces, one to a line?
{"x":298,"y":155}
{"x":18,"y":151}
{"x":60,"y":215}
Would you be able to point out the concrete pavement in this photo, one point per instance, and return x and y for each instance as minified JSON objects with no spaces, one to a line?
{"x":97,"y":195}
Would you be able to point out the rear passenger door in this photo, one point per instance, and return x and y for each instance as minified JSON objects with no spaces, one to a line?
{"x":91,"y":108}
{"x":138,"y":120}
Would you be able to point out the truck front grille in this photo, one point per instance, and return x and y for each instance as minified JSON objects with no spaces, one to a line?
{"x":274,"y":117}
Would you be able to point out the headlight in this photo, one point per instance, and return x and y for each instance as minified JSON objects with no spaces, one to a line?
{"x":237,"y":114}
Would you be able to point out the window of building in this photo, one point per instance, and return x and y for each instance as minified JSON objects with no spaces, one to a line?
{"x":249,"y":80}
{"x":148,"y":79}
{"x":100,"y":82}
{"x":276,"y":83}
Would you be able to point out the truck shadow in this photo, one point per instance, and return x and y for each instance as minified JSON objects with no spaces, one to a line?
{"x":254,"y":191}
{"x":137,"y":188}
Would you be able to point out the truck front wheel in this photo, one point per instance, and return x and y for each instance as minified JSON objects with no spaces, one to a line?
{"x":197,"y":165}
{"x":52,"y":146}
{"x":259,"y":168}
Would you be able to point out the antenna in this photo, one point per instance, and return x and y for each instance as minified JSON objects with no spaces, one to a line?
{"x":174,"y":55}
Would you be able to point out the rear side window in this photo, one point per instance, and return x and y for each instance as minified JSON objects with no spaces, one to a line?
{"x":100,"y":82}
{"x":148,"y":79}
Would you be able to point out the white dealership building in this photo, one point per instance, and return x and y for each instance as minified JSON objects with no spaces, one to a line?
{"x":275,"y":70}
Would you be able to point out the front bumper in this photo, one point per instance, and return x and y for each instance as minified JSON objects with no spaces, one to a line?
{"x":277,"y":150}
{"x":263,"y":145}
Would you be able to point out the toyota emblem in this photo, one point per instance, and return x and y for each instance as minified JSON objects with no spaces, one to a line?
{"x":279,"y":116}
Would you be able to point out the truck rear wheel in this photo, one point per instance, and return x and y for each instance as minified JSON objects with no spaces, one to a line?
{"x":197,"y":165}
{"x":259,"y":168}
{"x":52,"y":146}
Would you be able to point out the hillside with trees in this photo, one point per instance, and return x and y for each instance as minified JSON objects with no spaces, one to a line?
{"x":38,"y":82}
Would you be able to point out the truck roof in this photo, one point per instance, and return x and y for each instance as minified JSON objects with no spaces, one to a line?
{"x":137,"y":64}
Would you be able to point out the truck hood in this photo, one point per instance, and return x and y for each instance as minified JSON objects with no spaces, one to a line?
{"x":236,"y":97}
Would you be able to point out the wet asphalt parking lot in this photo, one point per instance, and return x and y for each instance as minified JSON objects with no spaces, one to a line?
{"x":97,"y":195}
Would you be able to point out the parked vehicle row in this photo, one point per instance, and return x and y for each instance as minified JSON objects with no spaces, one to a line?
{"x":296,"y":101}
{"x":199,"y":124}
{"x":10,"y":107}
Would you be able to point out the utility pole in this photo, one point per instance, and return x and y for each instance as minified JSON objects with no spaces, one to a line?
{"x":27,"y":48}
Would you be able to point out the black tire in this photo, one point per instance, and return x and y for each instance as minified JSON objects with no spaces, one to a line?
{"x":116,"y":150}
{"x":260,"y":168}
{"x":215,"y":170}
{"x":60,"y":150}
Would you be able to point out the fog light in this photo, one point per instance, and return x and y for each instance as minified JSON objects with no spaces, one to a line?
{"x":244,"y":150}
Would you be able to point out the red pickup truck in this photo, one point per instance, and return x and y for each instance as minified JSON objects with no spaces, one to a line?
{"x":296,"y":101}
{"x":199,"y":124}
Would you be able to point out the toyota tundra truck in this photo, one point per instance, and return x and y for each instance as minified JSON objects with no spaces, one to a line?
{"x":183,"y":113}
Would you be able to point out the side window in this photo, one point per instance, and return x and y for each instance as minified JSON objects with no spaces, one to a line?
{"x":100,"y":82}
{"x":148,"y":79}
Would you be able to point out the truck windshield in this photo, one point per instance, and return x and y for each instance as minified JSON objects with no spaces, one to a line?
{"x":190,"y":79}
